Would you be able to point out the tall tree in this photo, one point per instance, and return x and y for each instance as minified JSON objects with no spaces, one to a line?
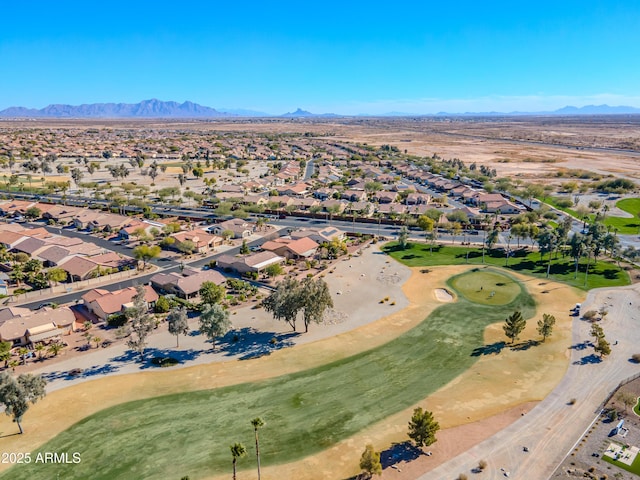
{"x":423,"y":428}
{"x":16,"y":394}
{"x":56,"y":275}
{"x":514,"y":325}
{"x":210,"y":293}
{"x":177,"y":322}
{"x":403,"y":238}
{"x":603,"y":347}
{"x":285,"y":302}
{"x":577,"y":248}
{"x":316,"y":298}
{"x":146,"y":253}
{"x":237,"y":450}
{"x":141,"y":322}
{"x":545,"y":326}
{"x":547,"y":243}
{"x":370,"y":462}
{"x":214,"y":322}
{"x":492,"y":237}
{"x":257,"y":423}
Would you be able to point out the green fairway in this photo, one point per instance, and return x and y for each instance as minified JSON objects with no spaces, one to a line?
{"x":190,"y":433}
{"x":626,"y":226}
{"x":487,"y":287}
{"x":601,"y":274}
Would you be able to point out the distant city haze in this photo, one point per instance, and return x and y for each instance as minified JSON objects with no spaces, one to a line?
{"x":345,"y":58}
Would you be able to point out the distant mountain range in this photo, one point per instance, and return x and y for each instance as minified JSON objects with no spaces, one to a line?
{"x":146,"y":109}
{"x":303,"y":113}
{"x":158,"y":109}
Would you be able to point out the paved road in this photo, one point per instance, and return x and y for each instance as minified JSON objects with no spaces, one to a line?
{"x":166,"y":266}
{"x":552,"y":428}
{"x":308,"y":170}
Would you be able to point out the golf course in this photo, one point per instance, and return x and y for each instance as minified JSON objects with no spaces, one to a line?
{"x":306,"y":412}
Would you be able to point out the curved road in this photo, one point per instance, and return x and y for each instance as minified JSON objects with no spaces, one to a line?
{"x":553,"y":427}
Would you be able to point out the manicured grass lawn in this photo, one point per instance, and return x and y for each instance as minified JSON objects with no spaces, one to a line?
{"x":190,"y":433}
{"x":601,"y":274}
{"x":633,"y":468}
{"x":487,"y":287}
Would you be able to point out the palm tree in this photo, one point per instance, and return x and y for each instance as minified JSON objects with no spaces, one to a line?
{"x":39,"y":347}
{"x":55,"y":348}
{"x":23,"y":354}
{"x":237,"y":450}
{"x":257,"y":423}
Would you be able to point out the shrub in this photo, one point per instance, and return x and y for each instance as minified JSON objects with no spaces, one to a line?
{"x":563,"y":202}
{"x":482,"y":464}
{"x":635,"y":357}
{"x":122,"y":332}
{"x":116,"y":320}
{"x":572,"y":401}
{"x":462,"y":476}
{"x":162,"y":305}
{"x":164,"y":361}
{"x":590,"y":315}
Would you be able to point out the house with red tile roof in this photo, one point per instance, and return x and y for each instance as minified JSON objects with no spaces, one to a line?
{"x":103,"y":303}
{"x":289,"y":248}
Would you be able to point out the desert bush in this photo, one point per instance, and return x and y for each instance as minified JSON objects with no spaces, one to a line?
{"x":635,"y":357}
{"x":590,"y":315}
{"x":482,"y":464}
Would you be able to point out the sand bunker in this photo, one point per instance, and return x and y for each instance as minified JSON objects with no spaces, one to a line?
{"x":443,"y":295}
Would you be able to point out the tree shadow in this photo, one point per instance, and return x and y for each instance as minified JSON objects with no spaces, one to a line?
{"x":525,"y":345}
{"x":76,"y":373}
{"x":588,"y":359}
{"x":9,"y":435}
{"x":180,"y":355}
{"x":489,"y":349}
{"x":399,"y":452}
{"x":251,"y":343}
{"x":582,"y":345}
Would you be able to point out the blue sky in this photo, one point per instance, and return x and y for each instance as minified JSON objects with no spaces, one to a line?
{"x":343,"y":57}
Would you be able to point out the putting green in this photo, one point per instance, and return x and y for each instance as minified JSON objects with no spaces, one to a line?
{"x":486,"y":287}
{"x":306,"y":412}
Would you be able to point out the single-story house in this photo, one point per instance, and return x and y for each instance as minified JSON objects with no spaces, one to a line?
{"x":502,"y":206}
{"x":240,"y":228}
{"x":103,"y":303}
{"x":80,"y":268}
{"x":36,"y":326}
{"x":319,"y":235}
{"x":292,"y":249}
{"x":202,"y":240}
{"x":251,"y":263}
{"x":185,"y":286}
